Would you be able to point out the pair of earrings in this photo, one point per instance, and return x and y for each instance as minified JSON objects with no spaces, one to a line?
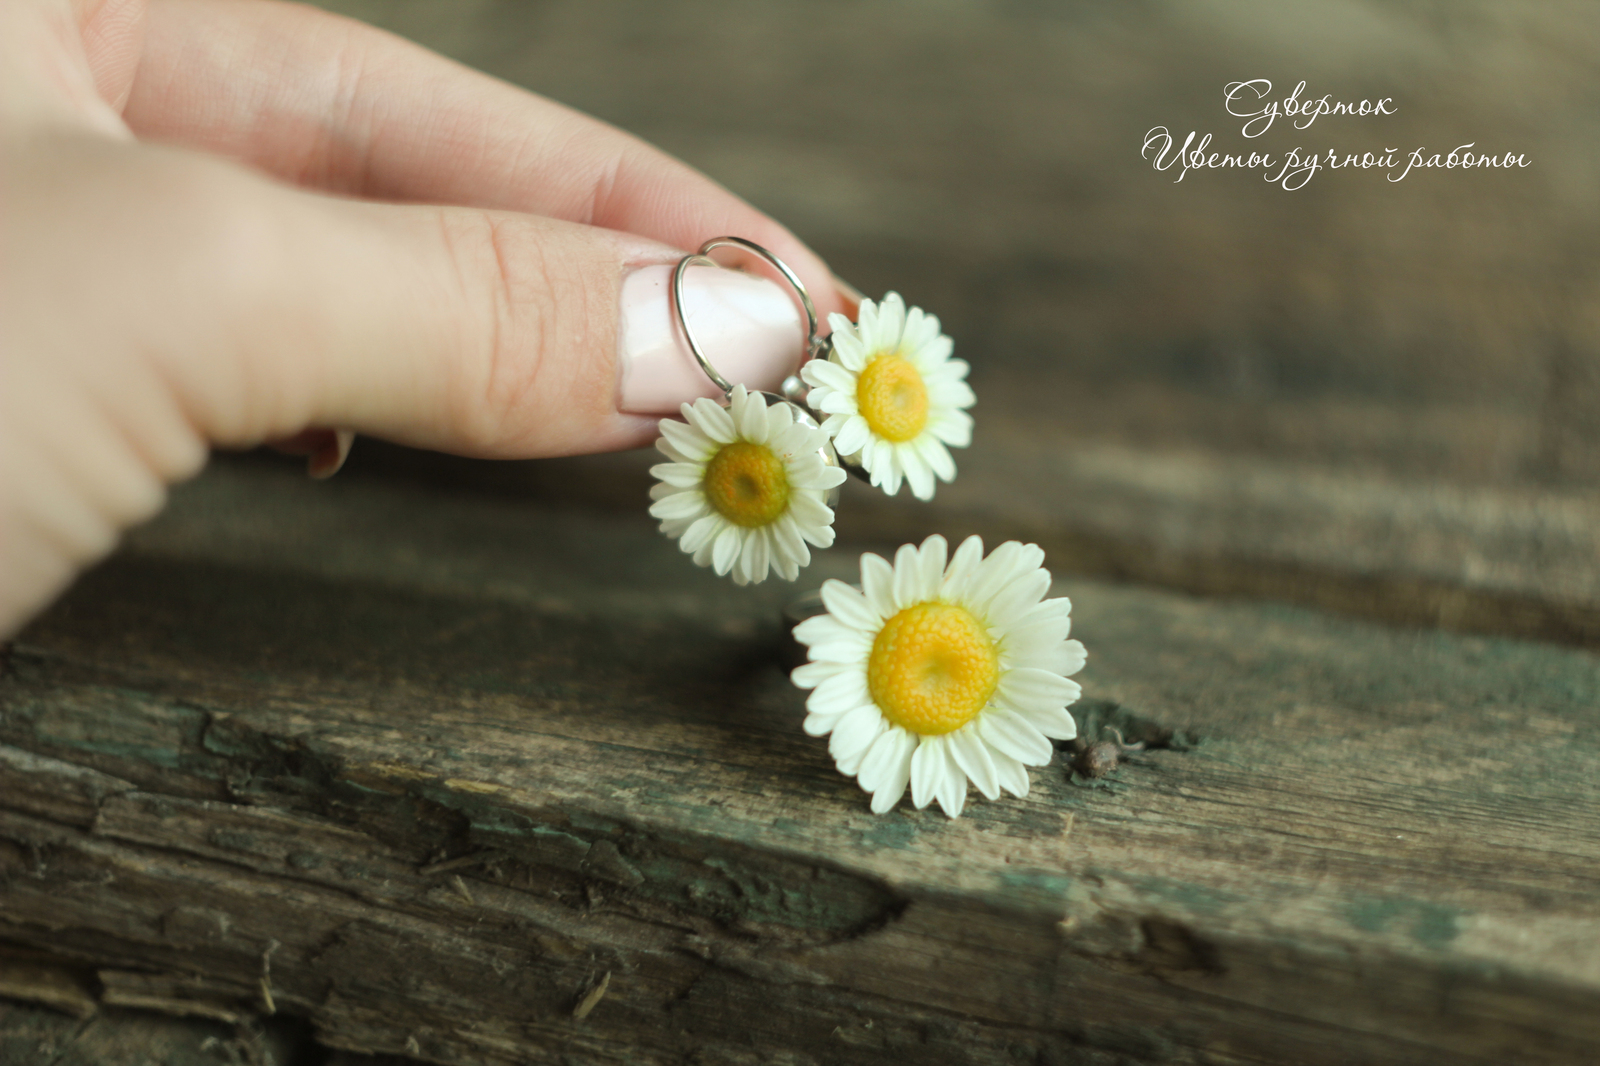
{"x":941,"y":669}
{"x":753,"y":479}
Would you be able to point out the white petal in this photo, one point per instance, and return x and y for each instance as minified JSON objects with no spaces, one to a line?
{"x":891,"y":322}
{"x":867,"y":328}
{"x":935,"y":353}
{"x":844,"y":691}
{"x":809,"y":510}
{"x":855,"y":648}
{"x":888,"y":794}
{"x":889,"y":755}
{"x":810,"y":675}
{"x":1029,"y":687}
{"x":1004,"y":565}
{"x":931,"y":567}
{"x":849,"y":606}
{"x":853,"y":435}
{"x":1013,"y":776}
{"x":927,"y":770}
{"x":1018,"y":598}
{"x":1067,"y":659}
{"x":918,"y":474}
{"x":964,"y":564}
{"x":712,"y":419}
{"x":725,"y":549}
{"x":820,"y":725}
{"x":937,"y":456}
{"x":837,"y":403}
{"x":830,"y":375}
{"x":972,"y":755}
{"x":849,"y":351}
{"x":686,"y":505}
{"x":701,"y":532}
{"x":825,"y":629}
{"x":907,"y":577}
{"x":885,"y":469}
{"x":949,"y":394}
{"x":821,"y":536}
{"x":1057,"y":724}
{"x":877,"y":584}
{"x":825,"y":478}
{"x":756,"y":555}
{"x":1009,"y":734}
{"x":688,"y":440}
{"x":787,"y":543}
{"x":679,"y":475}
{"x":853,"y":736}
{"x":921,"y":329}
{"x":752,"y":421}
{"x":952,"y":427}
{"x":780,"y":419}
{"x":952,"y":791}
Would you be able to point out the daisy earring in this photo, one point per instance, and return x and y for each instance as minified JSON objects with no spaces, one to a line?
{"x":752,"y":480}
{"x":895,"y":402}
{"x":937,"y":672}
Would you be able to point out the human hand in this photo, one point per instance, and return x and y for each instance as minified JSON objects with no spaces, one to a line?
{"x":235,"y":221}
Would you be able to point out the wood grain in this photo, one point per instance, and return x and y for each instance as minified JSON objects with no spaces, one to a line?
{"x":286,"y":715}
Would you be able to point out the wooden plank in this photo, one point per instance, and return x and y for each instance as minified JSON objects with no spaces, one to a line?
{"x":304,"y":710}
{"x":32,"y":1036}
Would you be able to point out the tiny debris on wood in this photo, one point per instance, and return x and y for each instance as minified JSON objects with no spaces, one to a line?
{"x":461,"y":887}
{"x":268,"y":1007}
{"x":461,"y":862}
{"x":1107,"y":732}
{"x":592,"y":998}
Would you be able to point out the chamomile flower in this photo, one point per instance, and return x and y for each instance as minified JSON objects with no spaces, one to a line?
{"x":746,"y":488}
{"x":894,"y":397}
{"x":932,"y":675}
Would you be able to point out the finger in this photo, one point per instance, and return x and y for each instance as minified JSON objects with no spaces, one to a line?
{"x":271,"y":310}
{"x":327,"y":102}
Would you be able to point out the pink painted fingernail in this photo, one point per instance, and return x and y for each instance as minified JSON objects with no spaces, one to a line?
{"x":748,"y":327}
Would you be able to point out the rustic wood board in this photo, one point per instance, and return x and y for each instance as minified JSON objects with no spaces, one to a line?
{"x":297,"y":713}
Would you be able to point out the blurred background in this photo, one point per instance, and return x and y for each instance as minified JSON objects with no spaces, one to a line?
{"x":1381,"y":397}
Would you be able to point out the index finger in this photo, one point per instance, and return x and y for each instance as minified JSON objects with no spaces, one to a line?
{"x":328,"y":102}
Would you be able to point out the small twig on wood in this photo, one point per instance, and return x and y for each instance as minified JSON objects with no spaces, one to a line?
{"x":592,"y":998}
{"x":460,"y":862}
{"x":461,"y":887}
{"x":267,"y":1005}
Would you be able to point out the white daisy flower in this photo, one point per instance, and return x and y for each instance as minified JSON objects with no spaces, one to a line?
{"x":747,"y":486}
{"x":933,"y":675}
{"x":893,"y":395}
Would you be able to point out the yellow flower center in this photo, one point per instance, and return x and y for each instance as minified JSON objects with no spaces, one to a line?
{"x":933,"y":668}
{"x":747,"y":484}
{"x":892,"y":398}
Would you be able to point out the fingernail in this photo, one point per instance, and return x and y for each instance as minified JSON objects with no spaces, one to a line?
{"x":331,"y":452}
{"x":747,"y":326}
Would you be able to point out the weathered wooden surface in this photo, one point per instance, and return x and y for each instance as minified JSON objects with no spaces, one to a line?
{"x":295,"y":713}
{"x":1370,"y":396}
{"x":35,"y":1036}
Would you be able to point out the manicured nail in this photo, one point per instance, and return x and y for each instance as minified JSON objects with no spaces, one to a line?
{"x":748,"y":327}
{"x":331,"y":453}
{"x":325,"y":449}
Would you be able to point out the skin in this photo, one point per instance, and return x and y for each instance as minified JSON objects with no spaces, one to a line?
{"x":225,"y":222}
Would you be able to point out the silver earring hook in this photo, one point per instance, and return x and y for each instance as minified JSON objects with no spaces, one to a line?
{"x":810,"y":345}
